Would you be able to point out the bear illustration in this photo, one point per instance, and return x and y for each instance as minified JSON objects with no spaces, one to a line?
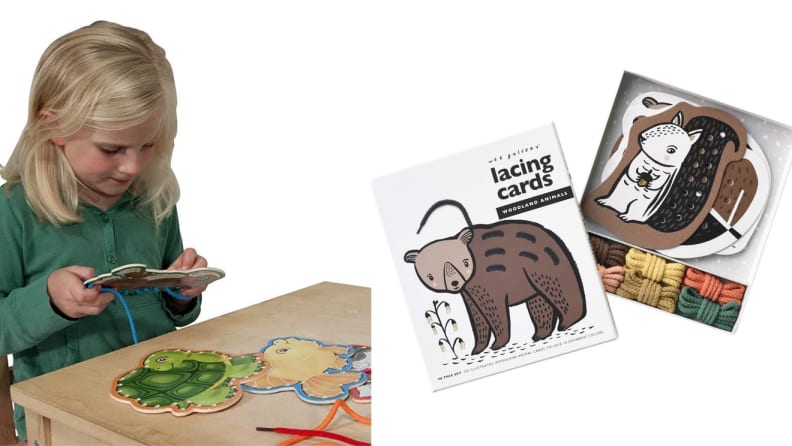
{"x":499,"y":265}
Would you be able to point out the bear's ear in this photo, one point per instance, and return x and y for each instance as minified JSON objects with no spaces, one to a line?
{"x":465,"y":236}
{"x":410,"y":256}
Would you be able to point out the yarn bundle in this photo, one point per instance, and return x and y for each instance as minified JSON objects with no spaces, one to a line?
{"x":712,"y":288}
{"x":610,"y":261}
{"x":707,"y":299}
{"x":608,"y":253}
{"x":670,"y":286}
{"x":692,"y":305}
{"x":651,"y":280}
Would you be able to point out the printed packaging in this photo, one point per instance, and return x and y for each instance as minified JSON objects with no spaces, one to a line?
{"x":680,"y":199}
{"x":493,"y":258}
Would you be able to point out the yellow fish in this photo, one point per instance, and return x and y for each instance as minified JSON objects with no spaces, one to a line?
{"x":303,"y":364}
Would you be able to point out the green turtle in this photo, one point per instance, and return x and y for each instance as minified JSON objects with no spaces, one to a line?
{"x":183,"y":382}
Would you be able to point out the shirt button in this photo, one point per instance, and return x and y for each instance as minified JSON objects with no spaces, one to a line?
{"x":105,"y":218}
{"x":111,"y":260}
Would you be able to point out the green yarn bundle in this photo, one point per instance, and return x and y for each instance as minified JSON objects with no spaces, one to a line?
{"x":693,"y":306}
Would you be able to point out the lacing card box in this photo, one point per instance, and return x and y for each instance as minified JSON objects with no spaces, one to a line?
{"x":680,"y":200}
{"x":493,"y":258}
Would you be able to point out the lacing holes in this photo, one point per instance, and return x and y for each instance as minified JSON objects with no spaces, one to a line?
{"x":685,"y":192}
{"x":698,"y":194}
{"x":714,"y":151}
{"x":661,"y":220}
{"x":710,"y":137}
{"x":673,"y":205}
{"x":704,"y":180}
{"x":696,"y":164}
{"x":727,"y":200}
{"x":690,"y":179}
{"x":679,"y":217}
{"x":702,"y":151}
{"x":730,"y":182}
{"x":722,"y":134}
{"x":691,"y":206}
{"x":705,"y":225}
{"x":709,"y":165}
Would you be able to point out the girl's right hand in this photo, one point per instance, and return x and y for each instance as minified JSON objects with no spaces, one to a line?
{"x":68,"y":293}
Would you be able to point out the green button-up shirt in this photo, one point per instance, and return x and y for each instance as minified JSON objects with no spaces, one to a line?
{"x":30,"y":250}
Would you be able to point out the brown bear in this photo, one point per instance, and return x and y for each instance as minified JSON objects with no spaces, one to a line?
{"x":500,"y":265}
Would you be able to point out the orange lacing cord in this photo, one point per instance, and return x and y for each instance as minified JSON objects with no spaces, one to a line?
{"x":326,"y":422}
{"x":712,"y":288}
{"x":611,"y":277}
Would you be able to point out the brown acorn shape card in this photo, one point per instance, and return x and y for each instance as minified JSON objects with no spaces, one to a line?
{"x":668,"y":177}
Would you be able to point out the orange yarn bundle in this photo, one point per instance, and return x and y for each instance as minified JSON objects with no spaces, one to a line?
{"x":712,"y":288}
{"x":611,"y":277}
{"x":652,"y":280}
{"x":606,"y":252}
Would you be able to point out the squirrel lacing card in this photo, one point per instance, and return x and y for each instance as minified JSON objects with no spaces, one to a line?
{"x":679,"y":200}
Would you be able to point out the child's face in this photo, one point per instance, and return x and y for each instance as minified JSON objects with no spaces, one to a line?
{"x":107,"y":161}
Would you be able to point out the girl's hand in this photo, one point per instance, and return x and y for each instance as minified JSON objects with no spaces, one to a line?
{"x":68,"y":294}
{"x":189,"y":259}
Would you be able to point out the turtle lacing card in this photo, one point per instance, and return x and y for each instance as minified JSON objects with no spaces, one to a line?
{"x":183,"y":382}
{"x":493,"y":258}
{"x":680,"y":186}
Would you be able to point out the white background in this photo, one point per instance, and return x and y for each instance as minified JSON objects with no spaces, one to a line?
{"x":288,"y":111}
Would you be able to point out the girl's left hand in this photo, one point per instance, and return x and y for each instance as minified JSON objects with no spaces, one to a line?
{"x":189,"y":259}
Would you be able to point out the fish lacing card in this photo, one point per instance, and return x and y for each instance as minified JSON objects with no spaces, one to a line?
{"x":317,"y":372}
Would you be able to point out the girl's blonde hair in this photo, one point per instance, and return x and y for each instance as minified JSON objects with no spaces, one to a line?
{"x":103,"y":76}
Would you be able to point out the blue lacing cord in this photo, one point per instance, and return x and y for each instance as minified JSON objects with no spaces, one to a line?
{"x":173,"y":293}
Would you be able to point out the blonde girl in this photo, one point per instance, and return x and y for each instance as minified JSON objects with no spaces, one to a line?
{"x":89,"y":187}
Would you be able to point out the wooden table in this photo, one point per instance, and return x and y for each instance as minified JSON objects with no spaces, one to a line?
{"x":73,"y":405}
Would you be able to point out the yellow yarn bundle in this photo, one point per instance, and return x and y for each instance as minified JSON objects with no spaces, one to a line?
{"x":655,"y":268}
{"x":648,"y":291}
{"x":651,"y":280}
